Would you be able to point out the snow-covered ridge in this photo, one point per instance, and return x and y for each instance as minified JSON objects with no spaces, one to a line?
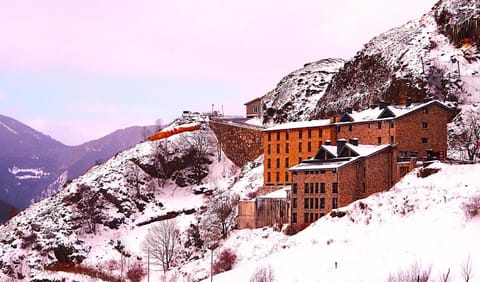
{"x":28,"y":173}
{"x":8,"y":128}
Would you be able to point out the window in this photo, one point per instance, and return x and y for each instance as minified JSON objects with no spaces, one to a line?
{"x":277,"y":176}
{"x":286,"y":135}
{"x":269,"y":163}
{"x":269,"y":149}
{"x":300,"y":134}
{"x":305,"y":217}
{"x":379,"y":140}
{"x":278,"y":135}
{"x":316,"y":188}
{"x":269,"y":177}
{"x":311,"y":203}
{"x":309,"y":146}
{"x":339,"y":128}
{"x":294,"y":188}
{"x":311,"y":217}
{"x":320,"y":133}
{"x":286,"y":176}
{"x":316,"y":203}
{"x":305,"y":203}
{"x":334,"y":203}
{"x":311,"y":188}
{"x":300,"y":147}
{"x":287,"y":148}
{"x":294,"y":217}
{"x":424,"y":140}
{"x":322,"y":188}
{"x":334,"y":187}
{"x":379,"y":125}
{"x":305,"y":188}
{"x":278,"y":148}
{"x":392,"y":124}
{"x":255,"y":109}
{"x":299,"y":159}
{"x":424,"y":125}
{"x":349,"y":127}
{"x":391,"y":139}
{"x":294,"y":203}
{"x":309,"y":133}
{"x":322,"y":203}
{"x":269,"y":136}
{"x":425,"y":110}
{"x":287,"y":163}
{"x":364,"y":187}
{"x":278,"y":162}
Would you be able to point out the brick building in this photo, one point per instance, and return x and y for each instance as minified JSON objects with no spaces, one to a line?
{"x":254,"y":108}
{"x":339,"y":175}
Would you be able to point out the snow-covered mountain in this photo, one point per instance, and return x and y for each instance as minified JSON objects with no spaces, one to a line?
{"x":296,"y":95}
{"x":31,"y":162}
{"x":436,"y":55}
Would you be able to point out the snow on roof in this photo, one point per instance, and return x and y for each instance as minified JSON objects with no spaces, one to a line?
{"x":367,"y":150}
{"x":299,"y":124}
{"x":366,"y":115}
{"x":331,"y":149}
{"x":279,"y":194}
{"x":321,"y":164}
{"x":253,"y":100}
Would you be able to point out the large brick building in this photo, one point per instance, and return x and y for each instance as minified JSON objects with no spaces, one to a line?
{"x":339,"y":175}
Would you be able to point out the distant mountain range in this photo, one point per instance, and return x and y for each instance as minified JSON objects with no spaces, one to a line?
{"x":32,"y":163}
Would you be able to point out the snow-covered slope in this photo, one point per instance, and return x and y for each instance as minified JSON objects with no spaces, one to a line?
{"x":422,"y":57}
{"x":419,"y":221}
{"x":296,"y":95}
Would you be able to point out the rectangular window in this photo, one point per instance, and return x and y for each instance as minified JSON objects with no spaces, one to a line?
{"x":309,"y":146}
{"x":334,"y":187}
{"x":287,"y":165}
{"x":300,"y":134}
{"x":311,"y":203}
{"x":287,"y":148}
{"x":424,"y":140}
{"x":425,"y":110}
{"x":320,"y":133}
{"x":309,"y":133}
{"x":294,"y":188}
{"x":424,"y":125}
{"x":286,"y":135}
{"x":305,"y":218}
{"x":305,"y":188}
{"x":269,"y":163}
{"x":278,"y":162}
{"x":316,"y":203}
{"x":299,"y":159}
{"x":316,"y":188}
{"x":269,"y":149}
{"x":379,"y":125}
{"x":349,"y":127}
{"x":305,"y":203}
{"x":269,"y":177}
{"x":364,"y":187}
{"x":322,"y":188}
{"x":339,"y":129}
{"x":294,"y":217}
{"x":379,"y":140}
{"x":269,"y":136}
{"x":294,"y":203}
{"x":334,"y":203}
{"x":311,"y":188}
{"x":392,"y":124}
{"x":286,"y":177}
{"x":278,"y":148}
{"x":391,"y":139}
{"x":322,"y":203}
{"x":277,"y":176}
{"x":278,"y":135}
{"x":311,"y":217}
{"x":300,"y":147}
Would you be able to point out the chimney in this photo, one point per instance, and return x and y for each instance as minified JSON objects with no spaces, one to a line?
{"x":409,"y":102}
{"x":340,"y":144}
{"x":382,"y":104}
{"x":349,"y":110}
{"x":328,"y":142}
{"x":354,"y":141}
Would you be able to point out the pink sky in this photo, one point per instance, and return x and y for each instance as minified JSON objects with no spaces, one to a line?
{"x":244,"y":45}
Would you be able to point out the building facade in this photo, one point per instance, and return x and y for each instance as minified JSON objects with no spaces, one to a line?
{"x":254,"y":108}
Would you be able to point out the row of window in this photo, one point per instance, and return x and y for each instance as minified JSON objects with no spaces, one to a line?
{"x":300,"y":134}
{"x":277,"y":177}
{"x":287,"y":147}
{"x":307,"y":217}
{"x":314,"y":188}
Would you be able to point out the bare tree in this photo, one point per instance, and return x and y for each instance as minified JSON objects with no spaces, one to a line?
{"x":221,"y":214}
{"x":263,"y":274}
{"x":160,"y":156}
{"x":467,"y":270}
{"x":161,"y":242}
{"x":90,"y":204}
{"x":465,"y":133}
{"x":198,"y":148}
{"x":133,"y":176}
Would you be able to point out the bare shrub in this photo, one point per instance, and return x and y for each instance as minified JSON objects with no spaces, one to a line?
{"x":467,"y":270}
{"x":136,"y":272}
{"x":225,"y":261}
{"x":472,"y":207}
{"x":263,"y":274}
{"x":425,"y":172}
{"x":162,"y":242}
{"x":416,"y":273}
{"x":445,"y":277}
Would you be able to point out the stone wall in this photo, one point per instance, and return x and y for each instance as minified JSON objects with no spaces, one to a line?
{"x":241,"y":143}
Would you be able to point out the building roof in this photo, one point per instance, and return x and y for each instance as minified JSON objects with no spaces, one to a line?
{"x":279,"y":194}
{"x":357,"y":152}
{"x":253,"y":100}
{"x":299,"y":124}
